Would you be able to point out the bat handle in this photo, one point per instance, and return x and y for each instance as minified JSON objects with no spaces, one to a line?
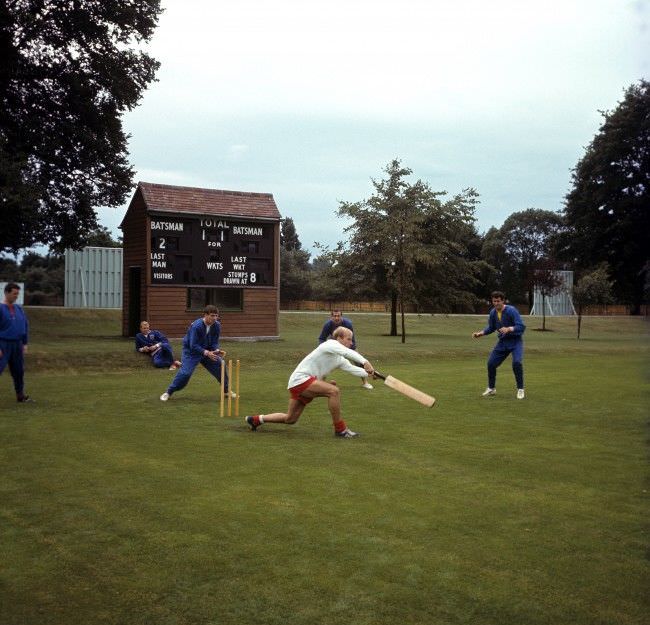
{"x":376,"y":374}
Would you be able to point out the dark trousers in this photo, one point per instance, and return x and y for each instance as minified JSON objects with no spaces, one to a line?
{"x":190,"y":362}
{"x":499,"y":354}
{"x":12,"y":355}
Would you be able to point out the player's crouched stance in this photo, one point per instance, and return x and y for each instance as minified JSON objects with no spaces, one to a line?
{"x":307,"y":382}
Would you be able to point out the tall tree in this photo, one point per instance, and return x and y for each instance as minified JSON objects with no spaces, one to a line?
{"x":525,"y":239}
{"x":294,"y":264}
{"x":591,"y":289}
{"x":69,"y":71}
{"x":608,"y":208}
{"x":401,"y":229}
{"x":547,"y":281}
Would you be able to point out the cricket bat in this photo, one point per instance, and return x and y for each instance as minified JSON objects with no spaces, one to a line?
{"x":405,"y":389}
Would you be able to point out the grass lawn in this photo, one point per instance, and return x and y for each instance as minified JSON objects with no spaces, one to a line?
{"x":117,"y":508}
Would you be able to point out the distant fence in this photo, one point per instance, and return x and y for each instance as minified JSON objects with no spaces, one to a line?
{"x":384,"y":307}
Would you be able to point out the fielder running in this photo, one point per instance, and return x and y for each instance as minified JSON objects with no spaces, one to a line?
{"x":200,"y":345}
{"x":506,"y":321}
{"x":307,"y":382}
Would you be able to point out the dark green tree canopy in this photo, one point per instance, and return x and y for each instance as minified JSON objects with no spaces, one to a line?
{"x":608,"y":208}
{"x":294,"y":264}
{"x":525,"y":239}
{"x":69,"y":71}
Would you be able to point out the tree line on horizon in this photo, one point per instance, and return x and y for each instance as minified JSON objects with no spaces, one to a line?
{"x":71,"y":70}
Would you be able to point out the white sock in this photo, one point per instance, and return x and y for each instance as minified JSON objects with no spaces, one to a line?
{"x":261,"y":419}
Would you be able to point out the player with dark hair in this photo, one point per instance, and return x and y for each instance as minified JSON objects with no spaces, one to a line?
{"x":14,"y":330}
{"x":200,"y":345}
{"x":308,"y":381}
{"x":155,"y":343}
{"x":506,"y":321}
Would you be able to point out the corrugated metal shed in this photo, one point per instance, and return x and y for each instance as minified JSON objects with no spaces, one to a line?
{"x":561,"y":302}
{"x":93,"y":278}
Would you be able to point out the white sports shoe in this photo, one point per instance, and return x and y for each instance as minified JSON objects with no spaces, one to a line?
{"x":367,"y":385}
{"x":165,"y":396}
{"x":520,"y":393}
{"x":489,"y":391}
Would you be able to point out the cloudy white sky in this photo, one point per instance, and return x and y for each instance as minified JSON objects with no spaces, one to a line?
{"x":309,"y":100}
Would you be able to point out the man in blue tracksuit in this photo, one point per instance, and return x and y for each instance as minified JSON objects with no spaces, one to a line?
{"x":506,"y":321}
{"x":155,"y":343}
{"x":13,"y":339}
{"x":200,"y":345}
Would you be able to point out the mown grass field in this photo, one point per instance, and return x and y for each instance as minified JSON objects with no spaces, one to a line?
{"x":117,"y":508}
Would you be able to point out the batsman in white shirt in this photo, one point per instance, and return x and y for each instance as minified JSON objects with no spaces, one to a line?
{"x":308,"y":382}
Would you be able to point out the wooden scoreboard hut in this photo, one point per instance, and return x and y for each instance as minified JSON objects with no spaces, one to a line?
{"x":185,"y":248}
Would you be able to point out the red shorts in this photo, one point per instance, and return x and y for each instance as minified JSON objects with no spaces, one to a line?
{"x":296,"y":390}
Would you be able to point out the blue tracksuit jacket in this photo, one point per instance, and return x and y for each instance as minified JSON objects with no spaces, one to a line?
{"x":509,"y":317}
{"x":330,"y":326}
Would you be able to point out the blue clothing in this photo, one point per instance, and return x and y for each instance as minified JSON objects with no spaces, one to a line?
{"x":330,"y":326}
{"x":13,"y":323}
{"x":198,"y":338}
{"x":510,"y":343}
{"x":163,"y":356}
{"x":14,"y":330}
{"x":509,"y":317}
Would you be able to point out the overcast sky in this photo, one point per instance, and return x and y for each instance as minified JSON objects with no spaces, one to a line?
{"x":310,"y":100}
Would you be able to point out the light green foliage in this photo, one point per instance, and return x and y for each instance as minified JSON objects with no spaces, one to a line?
{"x":407,"y":239}
{"x":118,"y":509}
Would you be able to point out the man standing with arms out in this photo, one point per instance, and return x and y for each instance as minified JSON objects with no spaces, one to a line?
{"x":307,"y":382}
{"x":337,"y":320}
{"x":200,"y":345}
{"x":155,"y":343}
{"x":506,"y":320}
{"x":13,"y":339}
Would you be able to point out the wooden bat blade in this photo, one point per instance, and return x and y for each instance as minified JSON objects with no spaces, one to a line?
{"x":409,"y":391}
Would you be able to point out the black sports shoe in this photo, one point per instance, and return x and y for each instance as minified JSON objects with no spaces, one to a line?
{"x":24,"y":399}
{"x":250,"y":421}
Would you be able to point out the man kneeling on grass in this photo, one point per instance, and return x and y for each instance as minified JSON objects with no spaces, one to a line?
{"x":307,"y":382}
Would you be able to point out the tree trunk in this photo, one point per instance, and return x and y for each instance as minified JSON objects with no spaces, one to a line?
{"x":579,"y":321}
{"x":403,"y":322}
{"x":393,"y":313}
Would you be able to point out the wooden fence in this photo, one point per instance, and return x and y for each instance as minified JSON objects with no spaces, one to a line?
{"x":384,"y":307}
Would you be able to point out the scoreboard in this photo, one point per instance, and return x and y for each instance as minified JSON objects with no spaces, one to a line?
{"x":212,"y":251}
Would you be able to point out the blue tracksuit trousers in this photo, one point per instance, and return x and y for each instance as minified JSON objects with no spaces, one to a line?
{"x":12,"y":355}
{"x":190,"y":362}
{"x":163,"y":357}
{"x":499,"y":354}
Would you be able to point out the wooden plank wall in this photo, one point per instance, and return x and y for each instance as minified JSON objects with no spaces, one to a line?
{"x":135,"y":253}
{"x":167,"y":312}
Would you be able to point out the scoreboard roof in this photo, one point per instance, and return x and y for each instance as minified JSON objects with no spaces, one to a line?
{"x":197,"y":201}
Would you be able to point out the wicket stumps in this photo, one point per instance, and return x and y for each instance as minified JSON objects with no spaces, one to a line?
{"x":222,"y":403}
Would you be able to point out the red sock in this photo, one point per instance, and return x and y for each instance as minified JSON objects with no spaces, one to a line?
{"x":339,"y":426}
{"x":256,"y":420}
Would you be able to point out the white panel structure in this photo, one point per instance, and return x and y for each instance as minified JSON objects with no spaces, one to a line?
{"x":559,"y":304}
{"x":93,"y":278}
